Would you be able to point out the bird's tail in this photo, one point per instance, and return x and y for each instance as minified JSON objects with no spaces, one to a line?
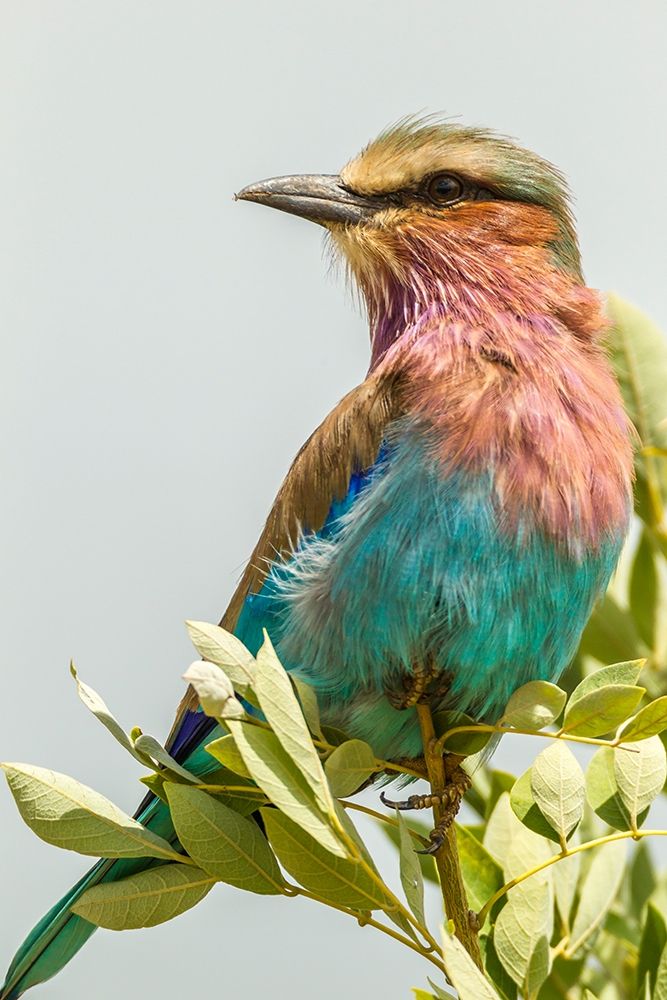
{"x":59,"y":935}
{"x":55,"y":939}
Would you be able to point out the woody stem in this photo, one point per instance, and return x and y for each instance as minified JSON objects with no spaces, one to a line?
{"x":447,"y":856}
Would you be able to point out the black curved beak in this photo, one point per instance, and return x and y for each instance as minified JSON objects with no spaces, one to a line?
{"x":320,"y":198}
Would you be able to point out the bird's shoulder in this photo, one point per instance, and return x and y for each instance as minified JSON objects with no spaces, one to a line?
{"x":346,"y":443}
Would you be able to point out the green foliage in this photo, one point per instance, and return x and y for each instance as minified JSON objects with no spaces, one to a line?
{"x":224,"y":844}
{"x":337,"y":880}
{"x":535,"y":705}
{"x":555,"y":868}
{"x":412,"y":879}
{"x":349,"y":767}
{"x":555,"y":898}
{"x":146,"y":899}
{"x":68,"y":814}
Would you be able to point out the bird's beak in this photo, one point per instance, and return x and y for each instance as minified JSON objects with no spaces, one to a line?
{"x":319,"y":197}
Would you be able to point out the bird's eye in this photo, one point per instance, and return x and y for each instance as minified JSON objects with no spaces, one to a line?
{"x":444,"y":189}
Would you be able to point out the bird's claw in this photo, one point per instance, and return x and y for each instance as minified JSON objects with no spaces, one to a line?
{"x":449,"y":801}
{"x":422,"y":684}
{"x":412,"y":802}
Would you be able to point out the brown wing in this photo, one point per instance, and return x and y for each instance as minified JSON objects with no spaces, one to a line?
{"x":347,"y":441}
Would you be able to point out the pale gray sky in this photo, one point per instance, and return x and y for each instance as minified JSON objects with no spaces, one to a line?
{"x":166,"y":351}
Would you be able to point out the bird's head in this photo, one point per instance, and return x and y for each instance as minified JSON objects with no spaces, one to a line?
{"x":433,"y":212}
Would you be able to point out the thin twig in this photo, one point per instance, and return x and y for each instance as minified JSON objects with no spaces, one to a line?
{"x":598,"y":842}
{"x":440,"y":745}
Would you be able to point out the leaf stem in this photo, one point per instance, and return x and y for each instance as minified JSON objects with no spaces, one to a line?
{"x":509,"y":731}
{"x":598,"y":842}
{"x":295,"y":890}
{"x":447,"y":857}
{"x":395,"y":902}
{"x":236,"y":789}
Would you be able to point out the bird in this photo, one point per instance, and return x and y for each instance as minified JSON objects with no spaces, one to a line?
{"x":447,"y":529}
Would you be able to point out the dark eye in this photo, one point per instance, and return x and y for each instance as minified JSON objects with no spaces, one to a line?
{"x":444,"y":189}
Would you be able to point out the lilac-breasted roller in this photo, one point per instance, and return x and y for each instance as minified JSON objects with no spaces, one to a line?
{"x":462,"y":508}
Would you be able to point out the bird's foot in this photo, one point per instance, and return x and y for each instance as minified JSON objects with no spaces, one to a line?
{"x":413,"y":801}
{"x":424,"y":683}
{"x":450,"y":800}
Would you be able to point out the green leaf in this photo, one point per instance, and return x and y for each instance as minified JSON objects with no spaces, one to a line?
{"x":462,"y":972}
{"x":640,"y":776}
{"x":438,"y":992}
{"x":221,"y":647}
{"x":333,"y":736}
{"x":423,"y":995}
{"x":522,"y":932}
{"x":495,"y":970}
{"x":651,"y":945}
{"x":611,"y":633}
{"x":349,"y":767}
{"x":226,"y":751}
{"x":243,"y":802}
{"x":95,"y":704}
{"x":214,"y":690}
{"x":527,"y":810}
{"x":565,"y":876}
{"x":598,"y":893}
{"x":155,"y":783}
{"x":499,"y":782}
{"x":410,"y":870}
{"x":649,"y":721}
{"x":602,"y":791}
{"x":309,"y":707}
{"x":464,"y":744}
{"x":601,"y":710}
{"x":426,"y":862}
{"x":642,"y":879}
{"x":620,"y":924}
{"x":338,"y":880}
{"x":154,"y":752}
{"x":534,"y":706}
{"x":625,"y":673}
{"x":283,"y":713}
{"x":146,"y":899}
{"x":643,"y":589}
{"x":513,"y":846}
{"x":283,"y":784}
{"x":639,"y":355}
{"x":660,"y":990}
{"x":226,"y":845}
{"x":482,"y":875}
{"x":70,"y":815}
{"x":557,"y":782}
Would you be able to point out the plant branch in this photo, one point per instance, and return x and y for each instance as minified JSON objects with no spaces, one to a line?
{"x":447,"y":857}
{"x":598,"y":842}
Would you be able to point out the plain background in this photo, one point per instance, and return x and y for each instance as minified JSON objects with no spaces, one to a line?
{"x":166,"y":351}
